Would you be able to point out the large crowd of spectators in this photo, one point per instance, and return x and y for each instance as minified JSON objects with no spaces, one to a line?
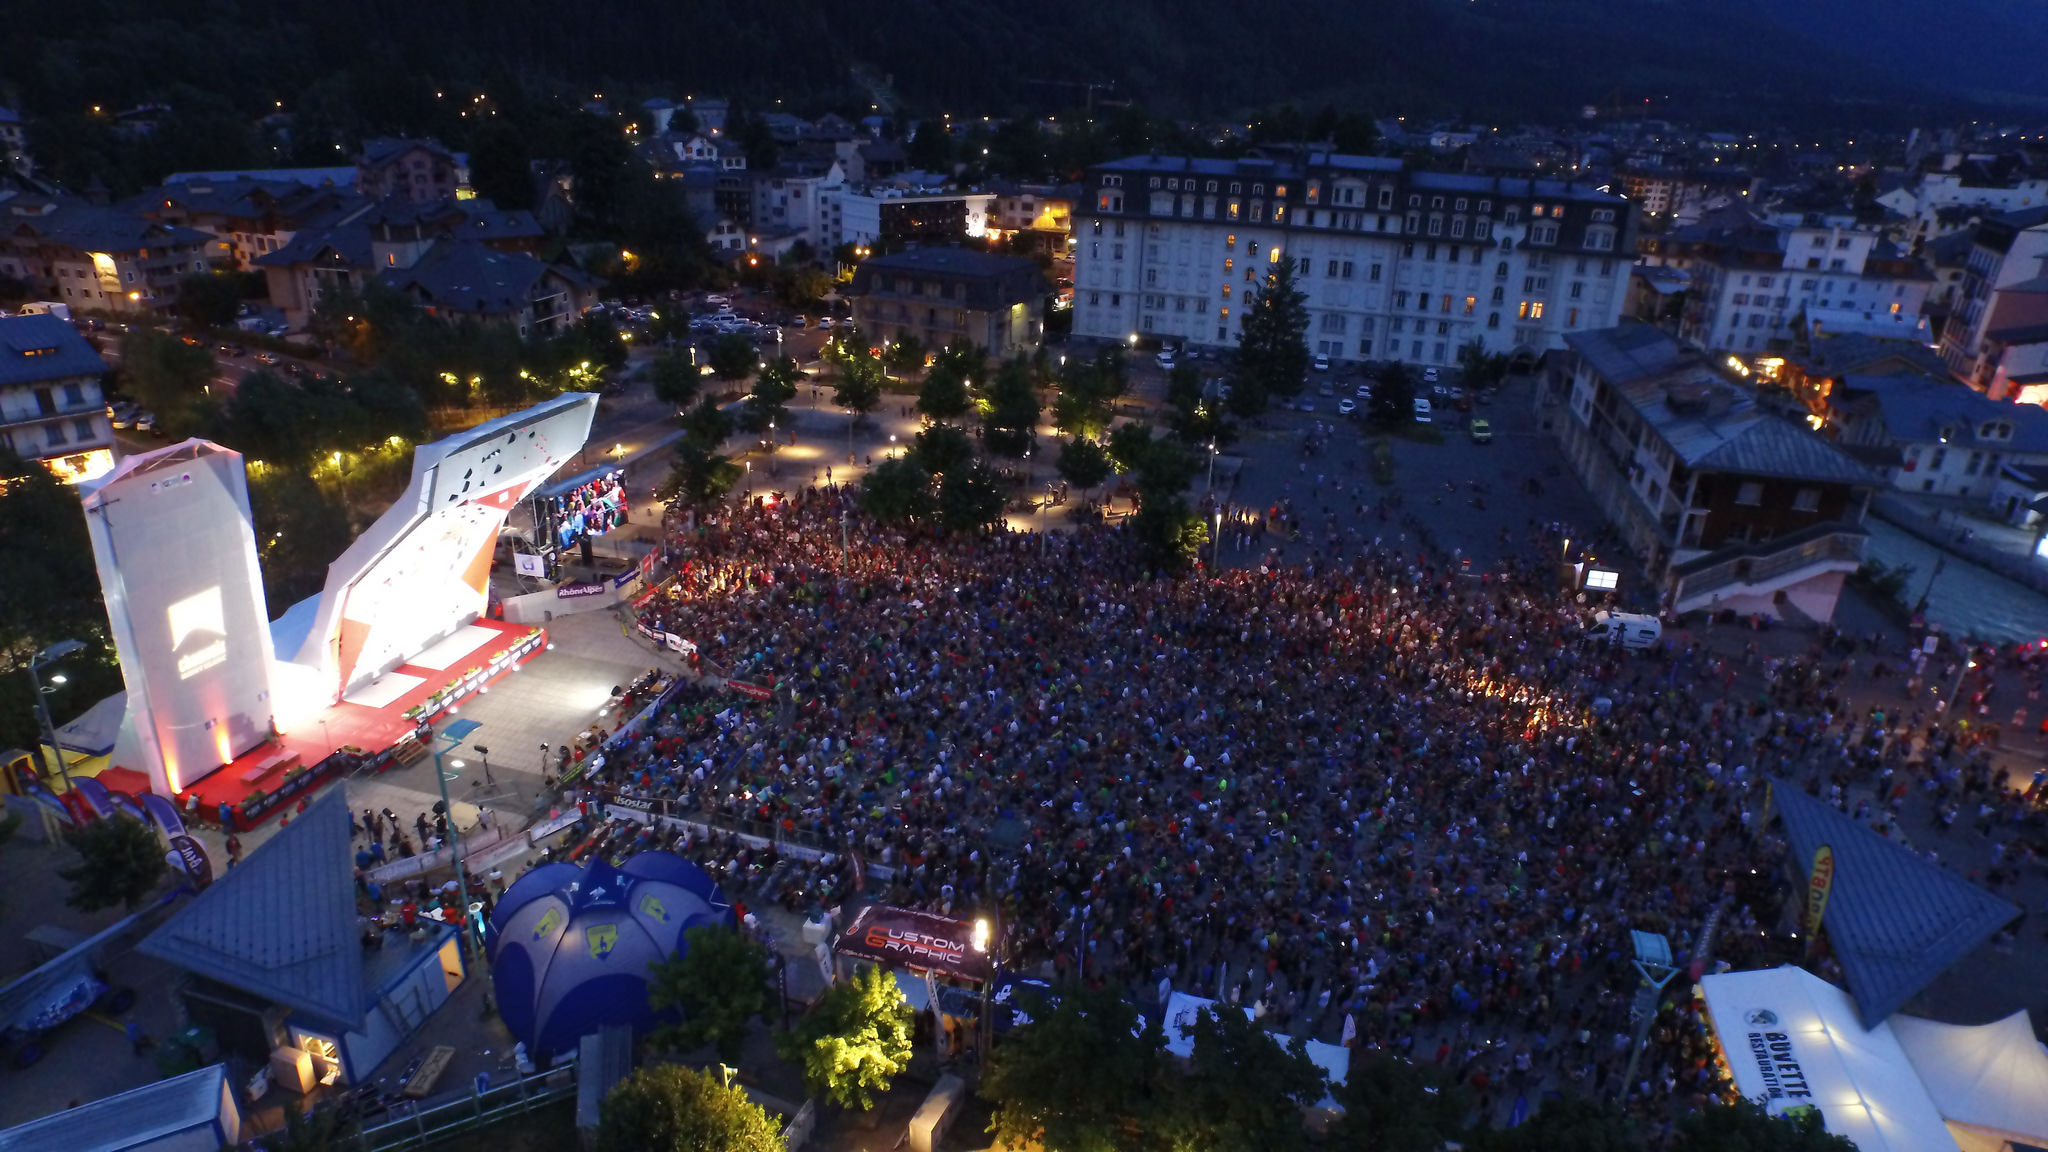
{"x":1384,"y":797}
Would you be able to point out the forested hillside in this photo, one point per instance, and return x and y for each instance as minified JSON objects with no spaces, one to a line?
{"x":363,"y":66}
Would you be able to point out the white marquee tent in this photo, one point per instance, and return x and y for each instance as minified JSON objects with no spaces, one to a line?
{"x":1792,"y":1039}
{"x":1990,"y":1081}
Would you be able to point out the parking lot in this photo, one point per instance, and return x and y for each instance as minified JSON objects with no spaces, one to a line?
{"x":1434,"y":476}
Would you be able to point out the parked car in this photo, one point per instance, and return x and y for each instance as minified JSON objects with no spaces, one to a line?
{"x":1326,"y":389}
{"x":800,"y":322}
{"x":1421,"y":410}
{"x":1482,"y":432}
{"x":266,"y":358}
{"x":1364,"y":392}
{"x":1306,"y":404}
{"x":1321,"y":362}
{"x":1165,"y":359}
{"x":1429,"y":375}
{"x":1346,"y":406}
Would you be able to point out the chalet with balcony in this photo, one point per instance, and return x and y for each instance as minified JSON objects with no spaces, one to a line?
{"x":51,"y":408}
{"x":1727,"y":505}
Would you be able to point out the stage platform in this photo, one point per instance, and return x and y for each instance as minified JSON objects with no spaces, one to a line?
{"x":373,"y":717}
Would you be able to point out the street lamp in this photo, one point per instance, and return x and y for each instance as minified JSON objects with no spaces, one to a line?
{"x":985,"y":942}
{"x":47,"y":656}
{"x":892,"y":444}
{"x":448,"y":739}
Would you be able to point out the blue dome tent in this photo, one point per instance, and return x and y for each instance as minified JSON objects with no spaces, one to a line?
{"x":570,"y":947}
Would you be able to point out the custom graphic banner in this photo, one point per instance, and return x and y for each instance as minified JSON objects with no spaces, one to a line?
{"x":750,"y":691}
{"x":1819,"y":883}
{"x":529,"y":564}
{"x":900,"y":936}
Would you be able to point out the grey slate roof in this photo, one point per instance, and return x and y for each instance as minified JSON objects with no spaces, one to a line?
{"x":992,"y":281}
{"x":1773,"y":446}
{"x":1633,"y":351}
{"x":37,"y":348}
{"x":463,"y":276}
{"x":345,"y":230}
{"x":282,"y":924}
{"x":1917,"y":408}
{"x":1894,"y":920}
{"x":111,"y":229}
{"x":136,"y":1117}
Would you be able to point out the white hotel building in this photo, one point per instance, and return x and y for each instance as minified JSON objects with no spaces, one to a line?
{"x":1397,"y":265}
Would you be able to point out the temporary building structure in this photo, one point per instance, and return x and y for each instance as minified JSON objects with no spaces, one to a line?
{"x":1792,"y":1042}
{"x":1989,"y":1081}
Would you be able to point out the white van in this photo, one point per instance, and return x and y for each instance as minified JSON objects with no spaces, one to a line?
{"x":1628,"y":629}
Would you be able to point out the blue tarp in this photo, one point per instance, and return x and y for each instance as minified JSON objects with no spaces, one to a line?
{"x":1894,"y":919}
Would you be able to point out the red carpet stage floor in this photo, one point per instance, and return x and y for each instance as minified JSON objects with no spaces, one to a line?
{"x":460,"y":669}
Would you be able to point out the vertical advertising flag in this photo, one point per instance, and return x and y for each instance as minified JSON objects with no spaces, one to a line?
{"x":1818,"y":884}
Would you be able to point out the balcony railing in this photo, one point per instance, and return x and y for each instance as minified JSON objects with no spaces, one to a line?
{"x":1765,"y":561}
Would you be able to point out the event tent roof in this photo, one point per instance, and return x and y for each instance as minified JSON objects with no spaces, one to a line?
{"x":282,"y":924}
{"x":1895,"y":920}
{"x":1793,"y":1039}
{"x":1987,"y":1075}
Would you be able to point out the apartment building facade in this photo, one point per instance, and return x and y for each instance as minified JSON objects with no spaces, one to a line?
{"x":1396,"y":264}
{"x":1752,"y":281}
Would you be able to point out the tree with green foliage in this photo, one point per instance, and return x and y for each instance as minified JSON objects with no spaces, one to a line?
{"x":300,"y":529}
{"x":670,"y":1108}
{"x":1010,"y":425}
{"x":1086,"y":1075}
{"x":898,"y":492}
{"x":718,"y":982}
{"x":970,"y":498}
{"x":944,"y":396}
{"x":49,"y":592}
{"x":1394,"y":1105}
{"x":1571,"y":1122}
{"x":699,"y":477}
{"x":1241,"y":1091}
{"x":1480,"y":368}
{"x":209,"y":299}
{"x":1130,"y":445}
{"x":1084,"y":463}
{"x":941,"y":449}
{"x":1088,"y":392}
{"x":1272,"y":352}
{"x":1744,"y":1126}
{"x":675,"y":380}
{"x":165,"y":375}
{"x":855,"y":1041}
{"x":706,"y":424}
{"x":1392,"y":403}
{"x":859,"y":388}
{"x":904,"y":355}
{"x":1172,"y":534}
{"x":732,"y":357}
{"x":1194,"y":419}
{"x":120,"y":863}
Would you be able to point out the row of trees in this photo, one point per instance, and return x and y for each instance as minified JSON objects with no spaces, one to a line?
{"x":1089,"y":1075}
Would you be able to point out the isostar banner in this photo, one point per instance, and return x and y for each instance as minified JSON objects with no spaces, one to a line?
{"x":1818,"y":883}
{"x":901,"y":937}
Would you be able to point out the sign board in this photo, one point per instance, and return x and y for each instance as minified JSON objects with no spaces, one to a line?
{"x":901,"y":937}
{"x":572,"y":591}
{"x":529,"y":564}
{"x":1819,"y":882}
